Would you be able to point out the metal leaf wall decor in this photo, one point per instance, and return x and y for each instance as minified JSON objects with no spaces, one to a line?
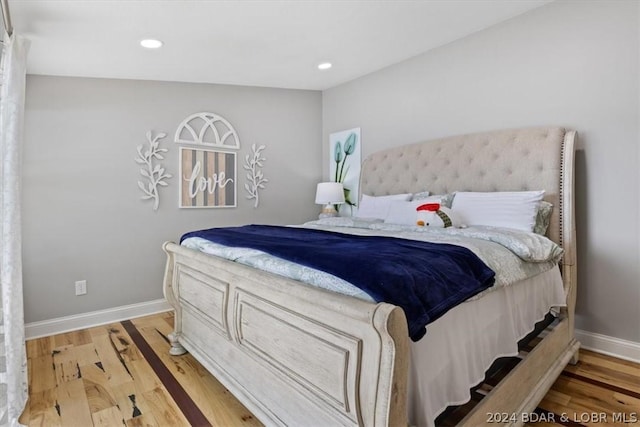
{"x":154,"y":173}
{"x":256,"y":181}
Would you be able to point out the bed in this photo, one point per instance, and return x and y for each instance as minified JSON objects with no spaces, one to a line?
{"x":296,"y":354}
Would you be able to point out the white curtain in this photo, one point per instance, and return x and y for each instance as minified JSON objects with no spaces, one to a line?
{"x":13,"y":358}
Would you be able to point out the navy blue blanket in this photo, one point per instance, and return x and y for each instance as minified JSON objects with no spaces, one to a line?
{"x":425,"y":279}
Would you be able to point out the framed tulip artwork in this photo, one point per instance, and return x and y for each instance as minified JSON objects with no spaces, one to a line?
{"x":344,"y":166}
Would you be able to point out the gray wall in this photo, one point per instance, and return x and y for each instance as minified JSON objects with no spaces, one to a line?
{"x":82,"y":213}
{"x":569,"y":63}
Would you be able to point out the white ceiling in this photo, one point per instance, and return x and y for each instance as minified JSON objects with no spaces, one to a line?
{"x":257,"y":43}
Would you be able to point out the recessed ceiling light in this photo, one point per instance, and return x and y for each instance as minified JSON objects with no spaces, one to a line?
{"x":324,"y":66}
{"x":151,"y":43}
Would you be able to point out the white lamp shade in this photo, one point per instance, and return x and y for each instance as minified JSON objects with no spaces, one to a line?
{"x":329,"y":193}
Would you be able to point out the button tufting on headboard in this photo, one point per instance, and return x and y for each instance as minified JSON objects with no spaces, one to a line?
{"x":507,"y":160}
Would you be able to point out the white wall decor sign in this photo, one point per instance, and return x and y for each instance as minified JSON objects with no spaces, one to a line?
{"x":344,"y":166}
{"x":207,"y":175}
{"x":207,"y":129}
{"x":207,"y":178}
{"x":153,"y":172}
{"x":256,"y":181}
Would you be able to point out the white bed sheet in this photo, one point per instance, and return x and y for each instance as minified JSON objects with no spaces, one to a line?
{"x":446,"y":364}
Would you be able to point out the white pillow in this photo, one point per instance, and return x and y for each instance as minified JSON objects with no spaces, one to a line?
{"x":401,"y":212}
{"x":378,"y":207}
{"x":510,"y":209}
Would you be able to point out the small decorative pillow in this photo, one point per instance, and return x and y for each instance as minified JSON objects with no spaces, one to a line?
{"x":378,"y":207}
{"x":435,"y":215}
{"x":510,"y":209}
{"x":543,"y":217}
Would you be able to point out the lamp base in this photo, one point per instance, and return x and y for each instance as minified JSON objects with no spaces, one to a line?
{"x":327,"y":215}
{"x":328,"y":211}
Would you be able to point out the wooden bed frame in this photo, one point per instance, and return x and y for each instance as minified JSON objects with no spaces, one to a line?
{"x":294,"y":354}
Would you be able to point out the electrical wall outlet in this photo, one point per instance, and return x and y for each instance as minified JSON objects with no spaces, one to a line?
{"x":81,"y":287}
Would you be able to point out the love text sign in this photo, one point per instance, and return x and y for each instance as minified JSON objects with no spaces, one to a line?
{"x":207,"y":178}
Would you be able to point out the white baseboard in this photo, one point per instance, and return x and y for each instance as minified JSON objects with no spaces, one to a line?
{"x":623,"y":349}
{"x":94,"y":318}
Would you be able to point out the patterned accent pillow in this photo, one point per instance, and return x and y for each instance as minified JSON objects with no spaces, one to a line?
{"x":543,"y":217}
{"x":445,"y":199}
{"x":420,"y":195}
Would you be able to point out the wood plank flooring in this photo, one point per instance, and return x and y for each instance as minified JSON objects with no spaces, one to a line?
{"x":121,"y":374}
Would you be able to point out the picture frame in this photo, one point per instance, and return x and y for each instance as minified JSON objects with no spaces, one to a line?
{"x":207,"y":178}
{"x":344,"y":167}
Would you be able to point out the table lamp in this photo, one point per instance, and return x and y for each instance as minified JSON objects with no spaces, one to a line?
{"x":329,"y":194}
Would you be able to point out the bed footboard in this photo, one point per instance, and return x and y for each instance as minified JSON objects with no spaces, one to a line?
{"x":291,"y":353}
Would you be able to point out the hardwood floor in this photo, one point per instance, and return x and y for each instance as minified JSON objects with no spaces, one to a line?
{"x":598,"y":390}
{"x":122,"y":374}
{"x":103,"y":376}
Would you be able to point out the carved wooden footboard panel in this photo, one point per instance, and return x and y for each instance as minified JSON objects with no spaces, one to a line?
{"x":292,"y":353}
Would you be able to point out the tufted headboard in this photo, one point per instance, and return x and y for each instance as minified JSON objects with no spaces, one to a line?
{"x":505,"y":160}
